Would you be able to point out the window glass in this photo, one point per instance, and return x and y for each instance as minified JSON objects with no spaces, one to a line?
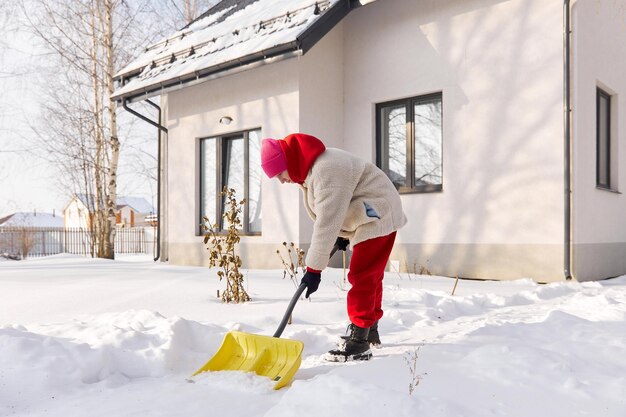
{"x":232,"y":162}
{"x":410,"y":143}
{"x":233,"y":173}
{"x":603,"y":140}
{"x":394,"y":153}
{"x":254,"y":180}
{"x":208,"y":178}
{"x":427,"y":155}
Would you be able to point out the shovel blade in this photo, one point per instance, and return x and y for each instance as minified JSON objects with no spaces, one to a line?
{"x":275,"y":358}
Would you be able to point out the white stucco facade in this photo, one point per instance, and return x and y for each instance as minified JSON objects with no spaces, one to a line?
{"x":599,"y":60}
{"x":499,"y":67}
{"x":266,"y":98}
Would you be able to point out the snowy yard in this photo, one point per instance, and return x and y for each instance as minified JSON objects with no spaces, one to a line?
{"x":85,"y":337}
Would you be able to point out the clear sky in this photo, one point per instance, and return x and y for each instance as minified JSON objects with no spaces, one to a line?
{"x":26,"y":183}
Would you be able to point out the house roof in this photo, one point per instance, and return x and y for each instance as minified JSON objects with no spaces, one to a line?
{"x":138,"y":204}
{"x":231,"y":36}
{"x":21,"y":219}
{"x":84,"y":199}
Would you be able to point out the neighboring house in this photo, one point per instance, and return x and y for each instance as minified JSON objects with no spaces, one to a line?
{"x":23,"y":234}
{"x":498,"y":120}
{"x":32,"y":220}
{"x":77,"y":213}
{"x":134,"y":212}
{"x":131,"y":212}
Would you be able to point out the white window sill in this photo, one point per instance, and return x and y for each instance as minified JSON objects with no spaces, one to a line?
{"x":610,"y":190}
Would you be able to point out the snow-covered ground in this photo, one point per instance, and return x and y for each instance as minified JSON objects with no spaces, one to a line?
{"x":85,"y":337}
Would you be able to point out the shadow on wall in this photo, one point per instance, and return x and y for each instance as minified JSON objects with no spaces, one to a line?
{"x":505,"y":136}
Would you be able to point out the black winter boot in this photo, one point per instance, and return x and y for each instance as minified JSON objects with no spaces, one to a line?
{"x":356,"y":347}
{"x":373,"y":337}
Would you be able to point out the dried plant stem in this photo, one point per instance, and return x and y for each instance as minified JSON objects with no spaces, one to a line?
{"x":222,"y":249}
{"x":411,"y":360}
{"x":456,"y":281}
{"x":291,"y":265}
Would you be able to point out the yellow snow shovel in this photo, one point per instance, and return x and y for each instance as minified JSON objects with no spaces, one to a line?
{"x":275,"y":358}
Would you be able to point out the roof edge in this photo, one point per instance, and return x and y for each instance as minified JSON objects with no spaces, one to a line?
{"x":245,"y":63}
{"x":313,"y":34}
{"x":303,"y":43}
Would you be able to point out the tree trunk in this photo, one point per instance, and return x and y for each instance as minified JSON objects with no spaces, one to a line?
{"x":101,"y":229}
{"x":114,"y":143}
{"x":191,"y":10}
{"x":79,"y":129}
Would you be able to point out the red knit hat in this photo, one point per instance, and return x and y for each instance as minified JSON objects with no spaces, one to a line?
{"x":273,"y":160}
{"x":301,"y":151}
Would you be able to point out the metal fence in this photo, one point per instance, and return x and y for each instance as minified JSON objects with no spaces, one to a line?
{"x":36,"y":241}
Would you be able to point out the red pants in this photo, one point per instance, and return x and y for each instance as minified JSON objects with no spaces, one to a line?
{"x":367,"y":270}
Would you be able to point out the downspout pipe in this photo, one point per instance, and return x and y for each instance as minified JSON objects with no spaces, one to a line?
{"x":161,"y":129}
{"x":567,"y":110}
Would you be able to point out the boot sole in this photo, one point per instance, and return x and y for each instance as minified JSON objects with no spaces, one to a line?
{"x":337,"y":357}
{"x":375,"y":345}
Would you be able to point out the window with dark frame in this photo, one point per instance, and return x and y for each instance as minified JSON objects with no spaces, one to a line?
{"x":603,"y":139}
{"x":409,"y":142}
{"x":232,"y":161}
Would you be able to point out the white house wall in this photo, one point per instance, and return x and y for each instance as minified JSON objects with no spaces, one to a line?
{"x":499,"y":65}
{"x":320,"y":74}
{"x":76,"y":215}
{"x":599,"y":60}
{"x":125,"y":216}
{"x":267,"y":98}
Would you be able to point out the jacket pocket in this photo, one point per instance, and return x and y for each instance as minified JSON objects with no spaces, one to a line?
{"x":362,"y":212}
{"x":370,"y":211}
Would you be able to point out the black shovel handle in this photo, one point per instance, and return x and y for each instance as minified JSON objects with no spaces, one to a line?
{"x":293,"y":302}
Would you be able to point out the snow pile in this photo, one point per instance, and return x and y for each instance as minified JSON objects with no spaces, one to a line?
{"x":121,"y":338}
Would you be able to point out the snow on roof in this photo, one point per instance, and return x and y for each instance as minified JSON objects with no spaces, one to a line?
{"x":138,"y":204}
{"x":87,"y":200}
{"x":220,"y":39}
{"x":22,"y":219}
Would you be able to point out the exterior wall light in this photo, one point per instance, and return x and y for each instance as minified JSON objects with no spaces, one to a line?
{"x":226,"y":120}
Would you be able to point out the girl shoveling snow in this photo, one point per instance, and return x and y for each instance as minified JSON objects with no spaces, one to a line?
{"x":350,"y":201}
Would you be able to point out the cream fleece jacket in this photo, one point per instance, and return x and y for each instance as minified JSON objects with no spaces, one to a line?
{"x":348,"y":197}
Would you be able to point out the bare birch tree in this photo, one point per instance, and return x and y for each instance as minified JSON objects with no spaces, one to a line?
{"x":88,"y":41}
{"x":85,"y":38}
{"x":175,"y":14}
